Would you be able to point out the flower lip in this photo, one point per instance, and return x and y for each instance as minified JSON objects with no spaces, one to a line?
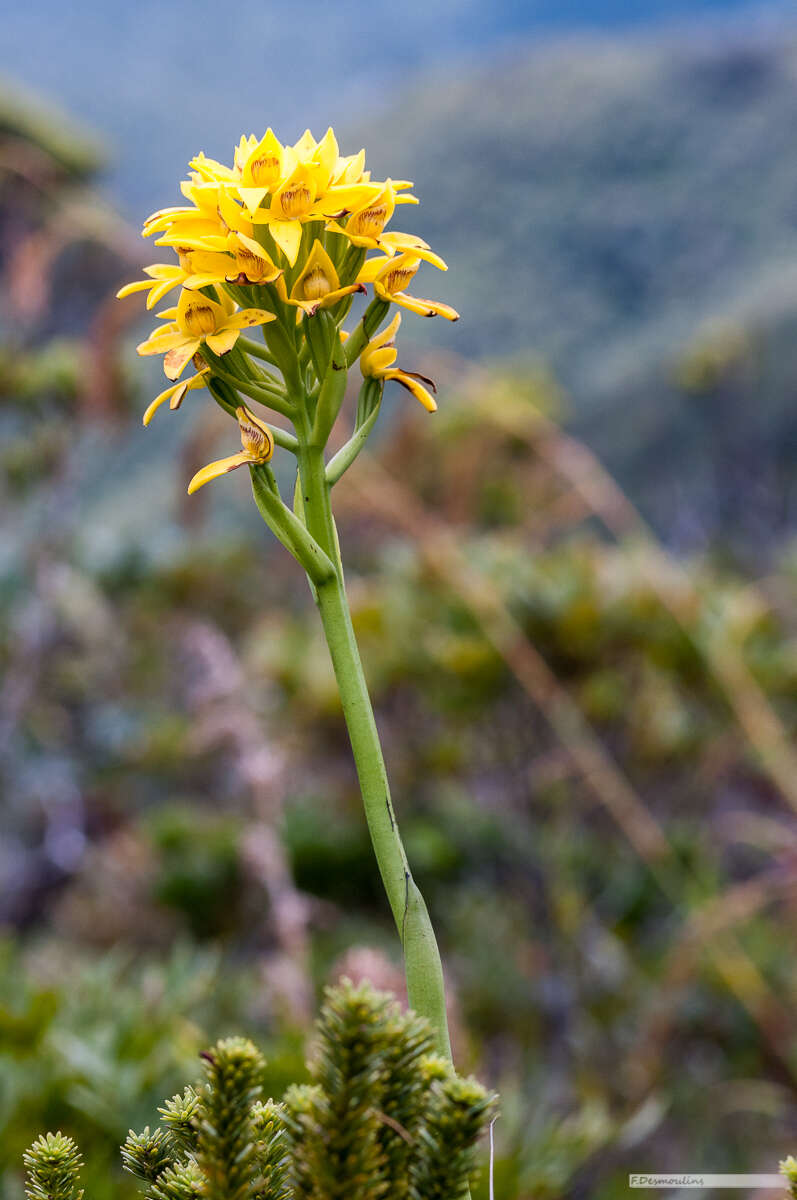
{"x":295,"y":201}
{"x":256,"y":438}
{"x":369,"y":222}
{"x":199,"y":319}
{"x":316,"y":284}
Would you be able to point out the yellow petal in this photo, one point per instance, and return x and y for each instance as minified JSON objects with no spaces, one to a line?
{"x":288,"y":236}
{"x":175,"y":361}
{"x":247,"y":317}
{"x":213,"y":470}
{"x":423,"y":308}
{"x":252,"y":197}
{"x":408,"y":243}
{"x":306,"y":145}
{"x":160,"y":290}
{"x":326,"y":155}
{"x":411,"y":381}
{"x":130,"y":288}
{"x":223,"y":341}
{"x":387,"y":335}
{"x":161,"y":399}
{"x":371,"y":268}
{"x":160,"y":343}
{"x":376,"y":361}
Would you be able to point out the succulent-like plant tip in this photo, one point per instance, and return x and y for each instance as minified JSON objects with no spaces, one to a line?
{"x":53,"y":1166}
{"x":147,"y":1155}
{"x":179,"y":1115}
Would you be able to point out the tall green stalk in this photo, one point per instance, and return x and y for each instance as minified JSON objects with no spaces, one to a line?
{"x":424,"y":972}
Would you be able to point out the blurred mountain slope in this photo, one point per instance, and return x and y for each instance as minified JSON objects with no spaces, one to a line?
{"x":617,"y":206}
{"x":597,"y":190}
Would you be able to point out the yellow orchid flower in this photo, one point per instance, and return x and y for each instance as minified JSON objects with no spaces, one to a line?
{"x":258,"y":446}
{"x":376,"y":361}
{"x":175,"y":393}
{"x":391,"y":275}
{"x":267,"y":163}
{"x":195,"y":320}
{"x":244,"y":262}
{"x":318,"y":285}
{"x":251,"y":262}
{"x":365,"y":223}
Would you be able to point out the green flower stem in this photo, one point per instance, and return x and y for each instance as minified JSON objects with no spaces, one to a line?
{"x":340,"y":462}
{"x":289,"y":529}
{"x":265,"y":395}
{"x":423,"y":968}
{"x":256,"y":350}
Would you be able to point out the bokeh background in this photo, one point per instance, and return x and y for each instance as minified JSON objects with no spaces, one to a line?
{"x":574,"y":586}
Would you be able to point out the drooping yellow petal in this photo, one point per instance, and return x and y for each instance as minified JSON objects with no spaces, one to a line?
{"x":408,"y":243}
{"x":411,"y":380}
{"x":175,"y":361}
{"x":223,"y":341}
{"x":175,"y":394}
{"x":213,"y":470}
{"x":372,"y":267}
{"x":415,"y":304}
{"x":165,"y":395}
{"x":288,"y":236}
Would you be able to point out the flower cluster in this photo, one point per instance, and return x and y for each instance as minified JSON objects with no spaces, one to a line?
{"x":281,"y":240}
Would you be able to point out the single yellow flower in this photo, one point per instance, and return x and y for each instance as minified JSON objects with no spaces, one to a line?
{"x":258,"y":446}
{"x":243,"y":262}
{"x":266,"y":164}
{"x":175,"y":393}
{"x":251,"y":263}
{"x":318,"y":285}
{"x":391,"y":275}
{"x":195,"y":320}
{"x":376,"y":361}
{"x":365,"y":223}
